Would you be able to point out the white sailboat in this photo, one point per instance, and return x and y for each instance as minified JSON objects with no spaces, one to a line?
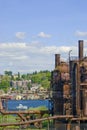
{"x":22,"y":107}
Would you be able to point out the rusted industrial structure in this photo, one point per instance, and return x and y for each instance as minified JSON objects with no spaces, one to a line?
{"x":69,"y":91}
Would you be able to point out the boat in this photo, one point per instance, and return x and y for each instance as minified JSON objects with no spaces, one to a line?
{"x":22,"y":107}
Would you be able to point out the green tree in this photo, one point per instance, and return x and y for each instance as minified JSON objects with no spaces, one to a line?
{"x":8,"y":73}
{"x":29,"y":86}
{"x":24,"y":76}
{"x":5,"y":83}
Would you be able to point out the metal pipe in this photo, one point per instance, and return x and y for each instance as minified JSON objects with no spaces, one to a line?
{"x":37,"y":120}
{"x":80,"y":49}
{"x":57,"y":60}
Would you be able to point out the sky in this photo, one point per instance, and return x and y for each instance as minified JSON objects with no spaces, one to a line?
{"x":33,"y":31}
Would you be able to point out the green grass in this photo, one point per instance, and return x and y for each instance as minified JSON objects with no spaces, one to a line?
{"x":38,"y":108}
{"x":12,"y":119}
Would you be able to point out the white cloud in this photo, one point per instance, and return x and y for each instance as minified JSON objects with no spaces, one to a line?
{"x":20,"y":35}
{"x":12,"y":45}
{"x":23,"y":57}
{"x":80,"y":33}
{"x":55,"y":49}
{"x":43,"y":35}
{"x":30,"y":57}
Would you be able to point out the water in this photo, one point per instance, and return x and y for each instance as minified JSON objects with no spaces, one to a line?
{"x":12,"y":104}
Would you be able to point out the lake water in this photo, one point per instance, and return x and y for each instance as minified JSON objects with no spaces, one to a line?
{"x":12,"y":104}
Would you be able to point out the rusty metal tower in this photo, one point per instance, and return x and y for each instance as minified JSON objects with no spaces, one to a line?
{"x":69,"y":91}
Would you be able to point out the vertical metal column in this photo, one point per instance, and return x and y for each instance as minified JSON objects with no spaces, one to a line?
{"x":80,"y":42}
{"x":57,"y":60}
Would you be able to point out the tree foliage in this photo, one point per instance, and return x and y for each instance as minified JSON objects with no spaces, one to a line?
{"x":5,"y":83}
{"x":8,"y":73}
{"x":43,"y":78}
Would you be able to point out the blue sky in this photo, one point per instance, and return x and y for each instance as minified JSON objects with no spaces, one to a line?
{"x":32,"y":31}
